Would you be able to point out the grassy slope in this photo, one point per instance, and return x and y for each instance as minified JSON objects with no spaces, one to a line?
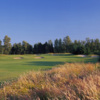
{"x":11,"y":68}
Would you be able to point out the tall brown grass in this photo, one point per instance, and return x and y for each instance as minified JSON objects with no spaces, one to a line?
{"x":72,"y":81}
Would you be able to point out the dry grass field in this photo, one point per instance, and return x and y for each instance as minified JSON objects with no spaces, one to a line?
{"x":71,"y":81}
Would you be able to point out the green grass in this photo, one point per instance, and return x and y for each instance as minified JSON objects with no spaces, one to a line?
{"x":12,"y":68}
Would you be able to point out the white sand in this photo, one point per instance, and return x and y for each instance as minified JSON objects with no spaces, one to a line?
{"x":81,"y":55}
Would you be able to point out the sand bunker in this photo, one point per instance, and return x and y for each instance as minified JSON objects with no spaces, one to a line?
{"x":38,"y":57}
{"x":81,"y":55}
{"x":18,"y":58}
{"x":94,"y":56}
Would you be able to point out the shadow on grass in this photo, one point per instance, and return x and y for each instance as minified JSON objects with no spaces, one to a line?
{"x":54,"y":63}
{"x":93,"y":60}
{"x":44,"y":63}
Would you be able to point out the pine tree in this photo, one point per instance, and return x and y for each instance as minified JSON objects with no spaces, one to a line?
{"x":7,"y":45}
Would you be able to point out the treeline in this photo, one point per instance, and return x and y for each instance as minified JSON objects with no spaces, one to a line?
{"x":64,"y":45}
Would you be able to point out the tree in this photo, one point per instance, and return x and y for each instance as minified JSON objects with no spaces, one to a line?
{"x":19,"y":47}
{"x":67,"y":42}
{"x":30,"y":49}
{"x":60,"y":46}
{"x":7,"y":45}
{"x":24,"y":47}
{"x":92,"y":46}
{"x":80,"y":50}
{"x":50,"y":46}
{"x":87,"y":51}
{"x":97,"y":46}
{"x":1,"y":47}
{"x":16,"y":48}
{"x":35,"y":49}
{"x":56,"y":46}
{"x":38,"y":48}
{"x":46,"y":47}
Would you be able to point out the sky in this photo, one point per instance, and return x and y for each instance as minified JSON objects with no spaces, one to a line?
{"x":42,"y":20}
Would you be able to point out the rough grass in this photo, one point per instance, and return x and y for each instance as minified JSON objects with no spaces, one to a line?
{"x":71,"y":81}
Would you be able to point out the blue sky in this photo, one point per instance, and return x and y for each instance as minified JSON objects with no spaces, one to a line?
{"x":41,"y":20}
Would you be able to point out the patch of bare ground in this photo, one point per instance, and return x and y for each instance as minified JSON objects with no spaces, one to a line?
{"x":38,"y":57}
{"x":18,"y":58}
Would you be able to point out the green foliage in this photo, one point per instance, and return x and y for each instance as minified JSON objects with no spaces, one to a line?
{"x":50,"y":46}
{"x":87,"y":51}
{"x":1,"y":48}
{"x":7,"y":45}
{"x":67,"y":43}
{"x":99,"y":58}
{"x":56,"y":46}
{"x":60,"y":46}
